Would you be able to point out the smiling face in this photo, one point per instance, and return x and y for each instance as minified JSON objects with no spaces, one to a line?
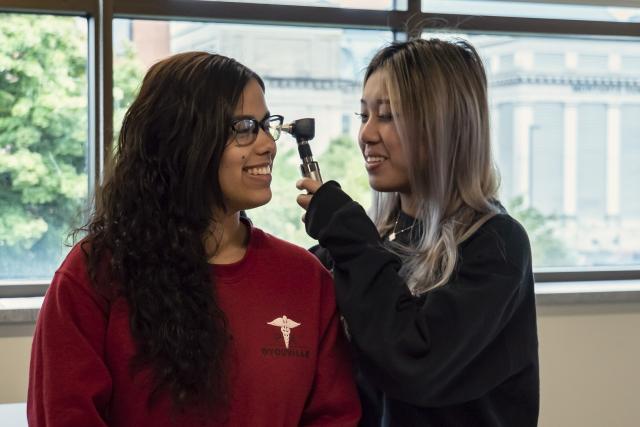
{"x":245,"y":171}
{"x":379,"y":141}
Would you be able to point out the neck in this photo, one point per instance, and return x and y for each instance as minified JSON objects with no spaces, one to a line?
{"x":408,"y":204}
{"x":226,"y":241}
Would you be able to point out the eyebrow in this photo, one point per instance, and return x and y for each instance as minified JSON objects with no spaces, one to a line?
{"x":377,"y":101}
{"x":247,"y":116}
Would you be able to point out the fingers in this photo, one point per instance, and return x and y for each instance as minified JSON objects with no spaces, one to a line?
{"x":311,"y":185}
{"x":304,"y":200}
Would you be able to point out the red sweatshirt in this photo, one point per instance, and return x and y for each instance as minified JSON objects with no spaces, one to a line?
{"x":290,"y":364}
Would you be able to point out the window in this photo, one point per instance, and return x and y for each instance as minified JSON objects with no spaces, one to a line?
{"x":43,"y":140}
{"x":629,"y":169}
{"x":592,"y":63}
{"x":566,"y":140}
{"x":314,"y":72}
{"x":549,"y":61}
{"x":564,"y":108}
{"x":532,"y":9}
{"x":353,"y":4}
{"x":591,"y":161}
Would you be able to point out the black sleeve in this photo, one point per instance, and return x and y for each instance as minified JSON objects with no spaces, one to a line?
{"x":428,"y":350}
{"x":323,"y":255}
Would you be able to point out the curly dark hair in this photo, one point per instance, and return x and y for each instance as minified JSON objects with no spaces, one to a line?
{"x":151,"y":217}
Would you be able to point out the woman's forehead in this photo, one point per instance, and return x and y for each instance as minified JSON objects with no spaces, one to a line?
{"x":376,"y":89}
{"x":252,"y":101}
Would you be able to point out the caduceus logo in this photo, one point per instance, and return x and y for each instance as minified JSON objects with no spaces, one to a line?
{"x":286,"y":325}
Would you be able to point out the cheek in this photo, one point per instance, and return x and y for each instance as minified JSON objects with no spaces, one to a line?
{"x":401,"y":158}
{"x":226,"y":173}
{"x":396,"y":150}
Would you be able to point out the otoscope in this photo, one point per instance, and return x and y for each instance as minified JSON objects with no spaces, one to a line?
{"x":303,"y":130}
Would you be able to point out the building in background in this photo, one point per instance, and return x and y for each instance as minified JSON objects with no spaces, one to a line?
{"x":565,"y":112}
{"x":566,"y":133}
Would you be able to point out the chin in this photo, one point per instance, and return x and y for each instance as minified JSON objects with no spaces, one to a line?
{"x":383,"y":186}
{"x":380,"y":186}
{"x":256,"y":202}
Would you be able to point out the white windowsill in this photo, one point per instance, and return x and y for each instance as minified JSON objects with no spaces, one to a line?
{"x":19,"y":310}
{"x":588,"y":292}
{"x":25,"y":310}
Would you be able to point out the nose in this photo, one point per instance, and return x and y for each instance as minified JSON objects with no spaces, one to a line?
{"x":369,"y":133}
{"x":265,"y":144}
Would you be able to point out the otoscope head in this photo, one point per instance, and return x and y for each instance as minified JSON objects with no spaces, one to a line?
{"x":301,"y":129}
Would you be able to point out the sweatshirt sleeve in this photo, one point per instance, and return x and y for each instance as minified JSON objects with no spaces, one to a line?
{"x":423,"y":350}
{"x":69,"y":384}
{"x":333,"y":401}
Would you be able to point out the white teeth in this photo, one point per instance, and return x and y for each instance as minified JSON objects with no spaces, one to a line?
{"x":374,"y":159}
{"x":265,"y":170}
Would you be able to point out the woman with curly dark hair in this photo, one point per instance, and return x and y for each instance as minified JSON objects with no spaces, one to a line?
{"x":175,"y":310}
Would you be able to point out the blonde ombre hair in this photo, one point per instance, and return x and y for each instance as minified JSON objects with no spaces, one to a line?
{"x":438,"y":95}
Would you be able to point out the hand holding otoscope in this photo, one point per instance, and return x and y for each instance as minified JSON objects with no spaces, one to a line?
{"x":303,"y":130}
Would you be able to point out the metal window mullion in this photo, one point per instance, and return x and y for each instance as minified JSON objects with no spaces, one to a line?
{"x":607,"y":3}
{"x":535,"y":26}
{"x":196,"y":10}
{"x":399,"y":21}
{"x":415,"y":21}
{"x":23,"y":289}
{"x":106,"y":141}
{"x":590,"y":274}
{"x":100,"y":93}
{"x":59,"y":7}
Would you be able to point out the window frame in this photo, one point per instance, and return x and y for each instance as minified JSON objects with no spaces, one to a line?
{"x":100,"y":15}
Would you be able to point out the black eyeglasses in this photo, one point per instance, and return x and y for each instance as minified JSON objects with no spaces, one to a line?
{"x":246,"y":130}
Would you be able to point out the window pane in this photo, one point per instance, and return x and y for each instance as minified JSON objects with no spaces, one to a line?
{"x":533,"y":10}
{"x":353,"y":4}
{"x":43,"y":140}
{"x":309,"y":72}
{"x":566,"y":136}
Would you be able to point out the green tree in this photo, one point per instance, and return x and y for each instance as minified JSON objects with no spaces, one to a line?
{"x":547,"y":249}
{"x":43,"y":139}
{"x":282,"y":215}
{"x":341,"y":161}
{"x":128,"y":72}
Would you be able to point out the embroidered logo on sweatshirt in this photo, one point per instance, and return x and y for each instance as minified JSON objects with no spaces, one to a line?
{"x":286,"y":325}
{"x":291,"y":349}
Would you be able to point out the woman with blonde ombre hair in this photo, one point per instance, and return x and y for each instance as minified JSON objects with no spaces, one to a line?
{"x":436,"y":288}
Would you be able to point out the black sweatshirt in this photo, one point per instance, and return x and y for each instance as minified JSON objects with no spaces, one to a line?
{"x":461,"y":355}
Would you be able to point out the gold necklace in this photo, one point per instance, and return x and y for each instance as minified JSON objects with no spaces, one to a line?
{"x":395,"y":233}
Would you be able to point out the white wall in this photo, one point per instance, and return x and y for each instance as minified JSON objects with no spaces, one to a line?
{"x":15,"y":350}
{"x":589,"y":356}
{"x":590,"y":374}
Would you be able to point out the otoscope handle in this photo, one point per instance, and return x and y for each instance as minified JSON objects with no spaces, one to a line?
{"x":308,"y":167}
{"x":311,"y":170}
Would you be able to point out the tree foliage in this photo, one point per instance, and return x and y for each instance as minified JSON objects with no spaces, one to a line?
{"x":43,"y":149}
{"x":341,"y":161}
{"x":43,"y":138}
{"x":547,"y":249}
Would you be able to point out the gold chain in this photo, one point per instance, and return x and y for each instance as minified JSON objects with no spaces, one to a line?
{"x":395,"y":233}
